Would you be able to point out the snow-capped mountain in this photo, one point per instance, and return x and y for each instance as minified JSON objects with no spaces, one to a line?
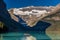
{"x":33,"y":13}
{"x":31,"y":10}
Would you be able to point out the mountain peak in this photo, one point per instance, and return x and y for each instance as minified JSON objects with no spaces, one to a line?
{"x":32,"y":14}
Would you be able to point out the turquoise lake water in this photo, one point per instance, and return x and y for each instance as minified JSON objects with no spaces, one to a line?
{"x":24,"y":35}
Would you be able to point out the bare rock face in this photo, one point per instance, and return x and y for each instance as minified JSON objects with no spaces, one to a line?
{"x":31,"y":15}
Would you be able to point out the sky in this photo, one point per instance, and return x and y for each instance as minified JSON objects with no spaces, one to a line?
{"x":24,"y":3}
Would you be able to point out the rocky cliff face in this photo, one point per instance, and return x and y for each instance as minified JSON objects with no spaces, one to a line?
{"x":31,"y":14}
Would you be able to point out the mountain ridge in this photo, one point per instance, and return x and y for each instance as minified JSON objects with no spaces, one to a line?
{"x":32,"y":13}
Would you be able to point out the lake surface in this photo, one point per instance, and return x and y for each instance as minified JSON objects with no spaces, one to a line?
{"x":21,"y":36}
